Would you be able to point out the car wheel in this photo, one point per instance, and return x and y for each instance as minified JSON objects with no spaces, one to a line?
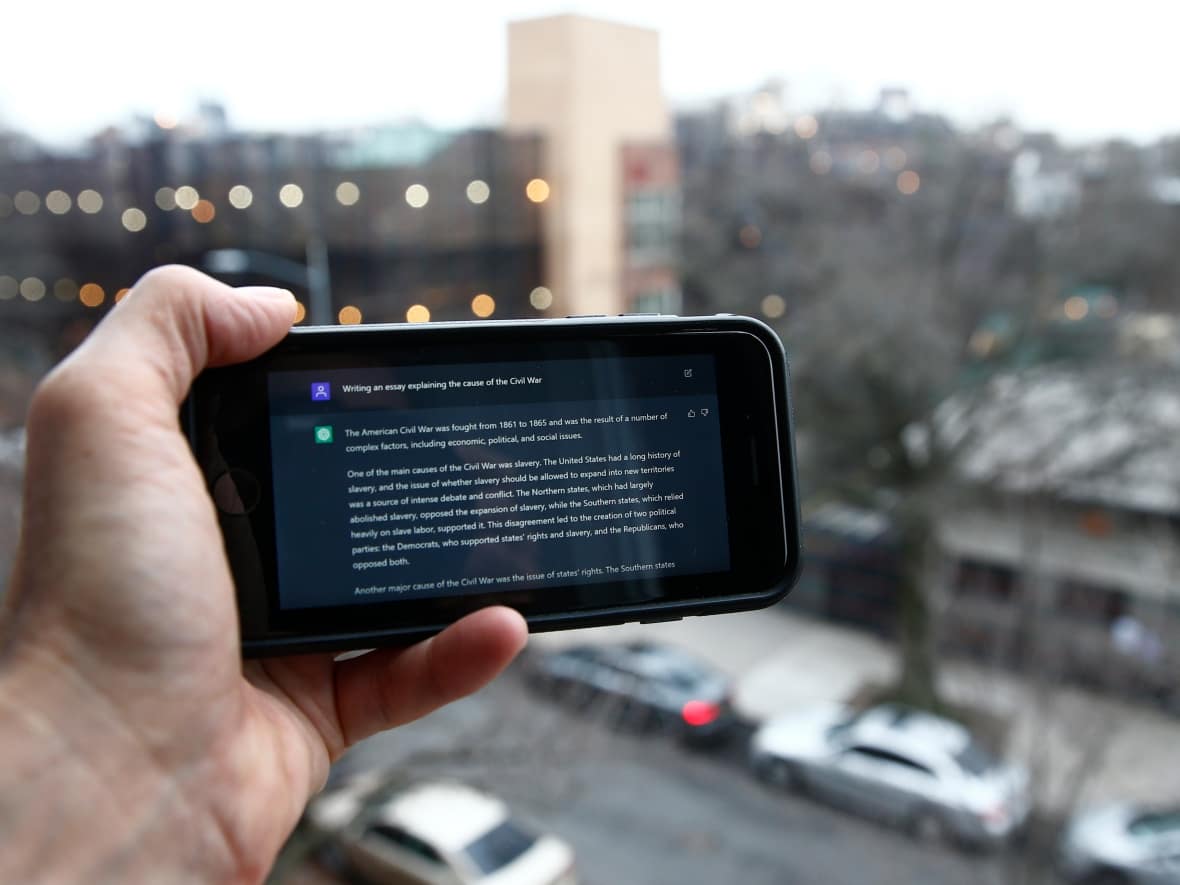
{"x":780,"y":773}
{"x":928,"y":827}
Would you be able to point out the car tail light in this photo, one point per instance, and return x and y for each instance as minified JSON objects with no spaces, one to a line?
{"x":700,"y":712}
{"x":997,"y":815}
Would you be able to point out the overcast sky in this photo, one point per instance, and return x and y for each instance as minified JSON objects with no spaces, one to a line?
{"x":1084,"y":69}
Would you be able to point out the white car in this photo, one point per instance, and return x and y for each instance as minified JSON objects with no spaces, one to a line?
{"x":910,"y":768}
{"x":1124,"y":844}
{"x":437,"y":833}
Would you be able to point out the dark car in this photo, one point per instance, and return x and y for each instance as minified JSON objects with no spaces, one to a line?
{"x":640,"y":685}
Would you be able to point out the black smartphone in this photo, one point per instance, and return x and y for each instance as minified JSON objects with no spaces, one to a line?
{"x":375,"y":483}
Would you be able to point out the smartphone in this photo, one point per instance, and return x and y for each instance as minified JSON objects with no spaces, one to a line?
{"x":375,"y":483}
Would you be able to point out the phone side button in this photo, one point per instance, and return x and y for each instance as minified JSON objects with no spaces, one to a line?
{"x":657,"y":619}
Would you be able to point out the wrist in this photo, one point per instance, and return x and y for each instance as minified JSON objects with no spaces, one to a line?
{"x":82,"y":797}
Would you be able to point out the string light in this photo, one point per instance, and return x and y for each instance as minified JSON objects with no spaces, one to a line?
{"x":483,"y":305}
{"x":240,"y":196}
{"x":347,"y":193}
{"x":134,"y":219}
{"x":349,"y":315}
{"x":478,"y":191}
{"x":186,"y":197}
{"x":26,"y":202}
{"x":291,"y":195}
{"x":90,"y":201}
{"x":32,"y":289}
{"x":166,"y":199}
{"x":417,"y":195}
{"x":537,"y":190}
{"x":418,"y":313}
{"x":65,"y":289}
{"x":541,"y":298}
{"x":58,"y":202}
{"x":92,"y":295}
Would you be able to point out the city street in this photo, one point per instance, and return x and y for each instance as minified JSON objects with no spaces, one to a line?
{"x":641,"y":809}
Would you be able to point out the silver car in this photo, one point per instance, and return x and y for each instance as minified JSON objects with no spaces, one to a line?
{"x":909,"y":768}
{"x":1123,"y":844}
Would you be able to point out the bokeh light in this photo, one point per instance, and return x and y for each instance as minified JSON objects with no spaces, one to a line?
{"x":134,"y":219}
{"x":121,"y":294}
{"x":291,"y":195}
{"x":347,"y":193}
{"x":32,"y":289}
{"x":300,"y":312}
{"x":483,"y":305}
{"x":1076,"y":307}
{"x":478,"y":191}
{"x":349,"y":315}
{"x":541,"y":298}
{"x":166,"y":198}
{"x":417,"y":195}
{"x":90,"y":201}
{"x":186,"y":197}
{"x":418,"y":313}
{"x":806,"y":126}
{"x":909,"y":182}
{"x":166,"y":119}
{"x":774,"y":306}
{"x":26,"y":202}
{"x":92,"y":295}
{"x":240,"y":196}
{"x":58,"y":202}
{"x":65,"y":289}
{"x":821,"y":162}
{"x":204,"y":212}
{"x":750,"y":236}
{"x":868,"y":162}
{"x":537,"y":190}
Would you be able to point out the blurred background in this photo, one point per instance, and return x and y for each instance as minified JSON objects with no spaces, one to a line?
{"x":964,"y":225}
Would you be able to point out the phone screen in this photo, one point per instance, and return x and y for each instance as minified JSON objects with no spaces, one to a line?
{"x":421,"y":481}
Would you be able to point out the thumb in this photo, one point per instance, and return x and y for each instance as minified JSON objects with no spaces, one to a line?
{"x":175,"y":322}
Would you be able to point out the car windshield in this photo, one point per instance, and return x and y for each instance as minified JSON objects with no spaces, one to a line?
{"x":976,"y":760}
{"x":1155,"y":824}
{"x":499,"y":847}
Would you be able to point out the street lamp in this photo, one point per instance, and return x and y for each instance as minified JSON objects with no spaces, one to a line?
{"x":314,"y":275}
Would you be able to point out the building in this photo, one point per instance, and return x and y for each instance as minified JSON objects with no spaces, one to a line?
{"x":591,"y":90}
{"x":572,"y":207}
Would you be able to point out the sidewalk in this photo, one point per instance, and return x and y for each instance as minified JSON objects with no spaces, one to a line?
{"x":780,"y":659}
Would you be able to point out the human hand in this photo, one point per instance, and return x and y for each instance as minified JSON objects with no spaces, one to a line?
{"x":138,"y":746}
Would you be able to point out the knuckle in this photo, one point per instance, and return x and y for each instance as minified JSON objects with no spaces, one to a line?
{"x":63,"y":398}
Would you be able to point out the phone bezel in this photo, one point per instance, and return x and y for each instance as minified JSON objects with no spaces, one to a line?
{"x":757,"y":453}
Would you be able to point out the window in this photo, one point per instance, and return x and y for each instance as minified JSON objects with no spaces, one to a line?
{"x":499,"y":847}
{"x":405,"y":841}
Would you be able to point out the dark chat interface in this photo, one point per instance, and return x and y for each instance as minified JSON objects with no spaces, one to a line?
{"x":420,"y":481}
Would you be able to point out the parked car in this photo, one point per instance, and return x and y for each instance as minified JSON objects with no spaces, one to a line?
{"x":435,"y":833}
{"x":1123,"y":844}
{"x":910,"y":768}
{"x":641,"y":684}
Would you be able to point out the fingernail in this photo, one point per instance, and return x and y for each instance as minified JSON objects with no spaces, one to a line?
{"x":264,"y":292}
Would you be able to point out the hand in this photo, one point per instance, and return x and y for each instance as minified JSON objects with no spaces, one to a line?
{"x":138,"y":746}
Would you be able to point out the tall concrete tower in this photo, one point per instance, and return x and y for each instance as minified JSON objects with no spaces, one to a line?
{"x":590,"y":87}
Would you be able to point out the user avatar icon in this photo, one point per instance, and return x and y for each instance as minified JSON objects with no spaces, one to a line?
{"x":321,"y":391}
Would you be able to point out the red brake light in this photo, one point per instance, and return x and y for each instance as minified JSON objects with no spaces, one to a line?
{"x":700,"y":712}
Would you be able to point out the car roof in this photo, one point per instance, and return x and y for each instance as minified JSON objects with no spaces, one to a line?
{"x":645,"y":658}
{"x":450,"y":816}
{"x":910,"y":731}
